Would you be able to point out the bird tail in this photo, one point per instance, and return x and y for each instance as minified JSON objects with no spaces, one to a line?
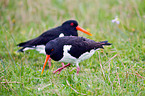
{"x":21,"y":50}
{"x":22,"y":44}
{"x":25,"y":48}
{"x":105,"y":43}
{"x":40,"y":49}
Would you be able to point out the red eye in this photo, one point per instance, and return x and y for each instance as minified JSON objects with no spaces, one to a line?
{"x":52,"y":49}
{"x":71,"y":24}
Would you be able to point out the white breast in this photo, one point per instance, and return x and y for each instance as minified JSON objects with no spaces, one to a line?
{"x":66,"y":56}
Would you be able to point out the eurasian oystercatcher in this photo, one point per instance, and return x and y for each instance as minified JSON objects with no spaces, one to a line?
{"x":71,"y":49}
{"x":68,"y":28}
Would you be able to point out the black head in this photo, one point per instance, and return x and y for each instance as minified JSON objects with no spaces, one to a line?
{"x":72,"y":27}
{"x":51,"y":51}
{"x":70,"y":24}
{"x":54,"y":49}
{"x":49,"y":48}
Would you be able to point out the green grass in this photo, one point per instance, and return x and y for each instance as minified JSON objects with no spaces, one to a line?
{"x":118,"y":70}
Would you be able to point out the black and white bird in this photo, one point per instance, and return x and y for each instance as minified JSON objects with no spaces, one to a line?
{"x":68,"y":28}
{"x":71,"y":49}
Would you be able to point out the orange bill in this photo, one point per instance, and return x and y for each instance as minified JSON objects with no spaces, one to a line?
{"x":47,"y":57}
{"x":83,"y":30}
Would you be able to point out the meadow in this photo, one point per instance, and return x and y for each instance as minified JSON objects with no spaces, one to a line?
{"x":116,"y":70}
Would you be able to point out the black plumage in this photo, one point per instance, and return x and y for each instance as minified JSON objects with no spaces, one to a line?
{"x":68,"y":28}
{"x":72,"y":49}
{"x":79,"y":45}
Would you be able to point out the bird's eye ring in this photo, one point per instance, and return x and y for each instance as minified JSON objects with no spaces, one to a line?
{"x":71,"y":24}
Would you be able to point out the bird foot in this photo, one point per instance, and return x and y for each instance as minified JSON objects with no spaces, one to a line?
{"x":59,"y":69}
{"x":78,"y":69}
{"x":63,"y":65}
{"x":49,"y":62}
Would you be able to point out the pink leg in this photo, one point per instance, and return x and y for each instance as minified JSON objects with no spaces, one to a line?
{"x":49,"y":62}
{"x":59,"y":69}
{"x":62,"y":64}
{"x":78,"y":69}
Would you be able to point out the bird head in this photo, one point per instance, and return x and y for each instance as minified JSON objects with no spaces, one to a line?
{"x":73,"y":25}
{"x":50,"y":50}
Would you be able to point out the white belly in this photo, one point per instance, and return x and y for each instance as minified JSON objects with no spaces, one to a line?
{"x":86,"y":55}
{"x":40,"y":48}
{"x":66,"y":56}
{"x":70,"y":59}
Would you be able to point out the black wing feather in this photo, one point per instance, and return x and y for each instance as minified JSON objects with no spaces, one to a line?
{"x":42,"y":39}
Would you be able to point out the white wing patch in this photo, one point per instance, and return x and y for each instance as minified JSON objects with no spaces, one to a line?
{"x":61,"y":35}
